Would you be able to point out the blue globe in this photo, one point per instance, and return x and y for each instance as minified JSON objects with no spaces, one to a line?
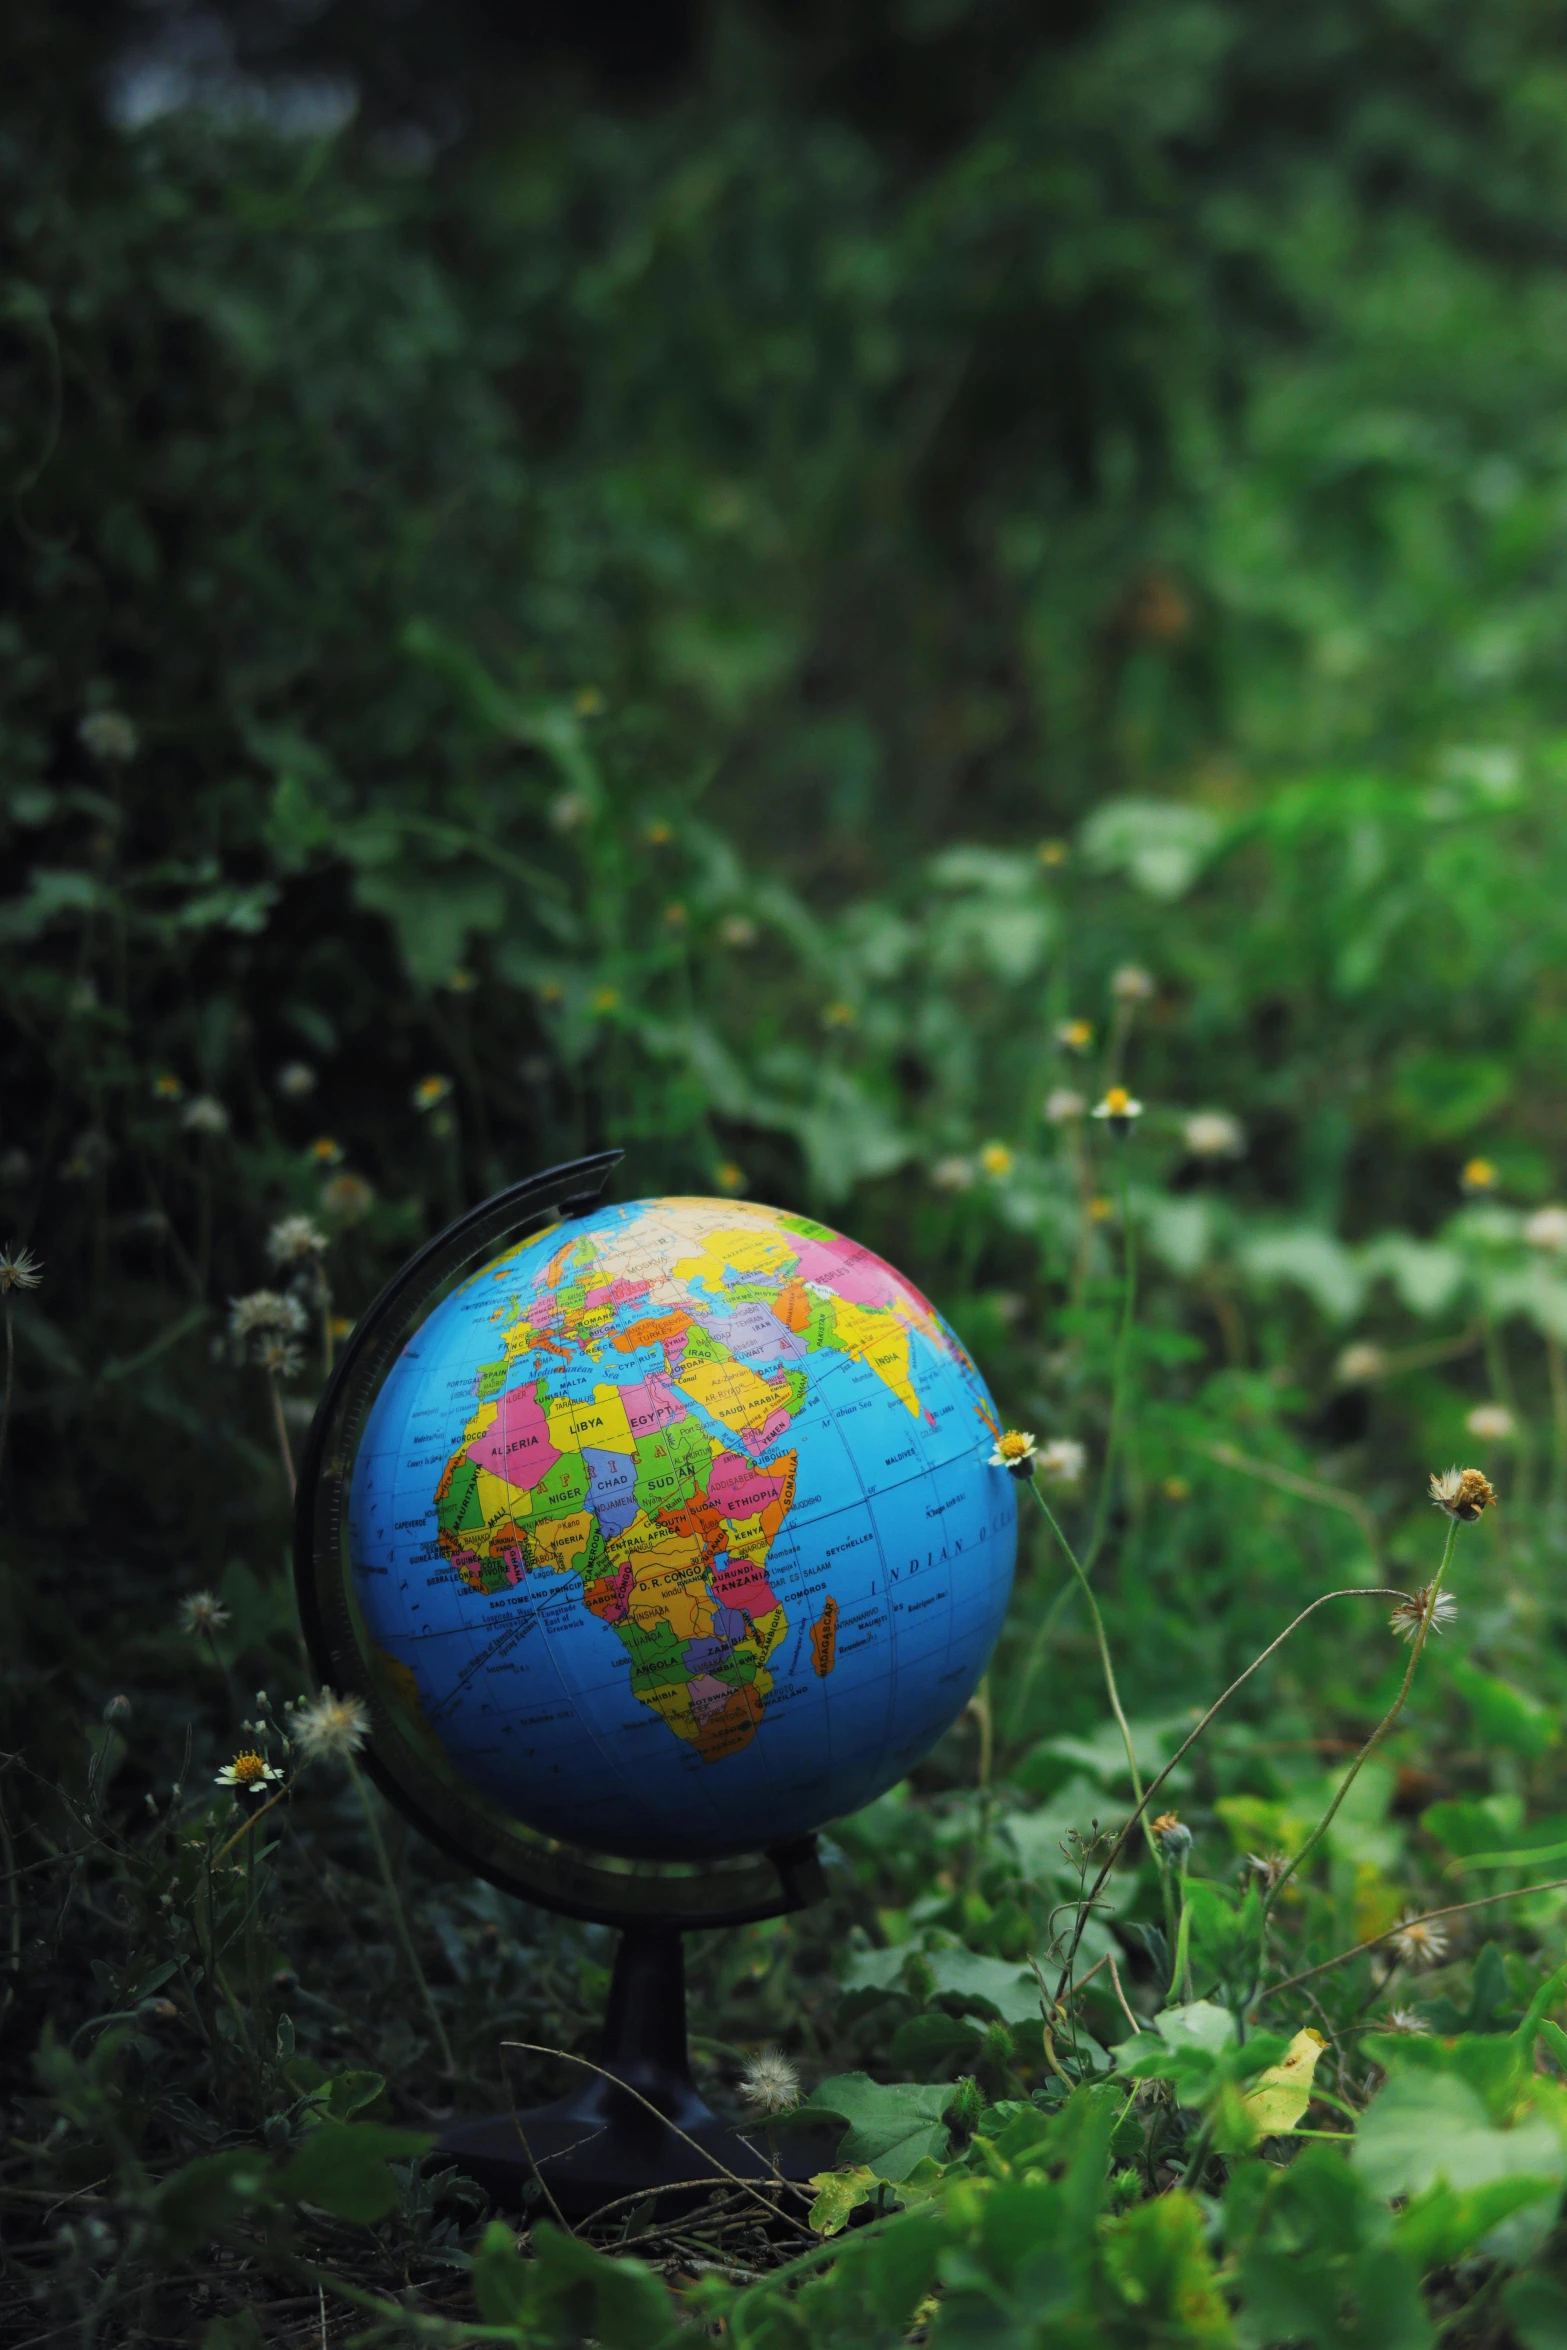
{"x":677,"y":1528}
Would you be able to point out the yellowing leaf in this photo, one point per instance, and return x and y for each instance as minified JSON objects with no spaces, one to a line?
{"x":1277,"y":2098}
{"x":838,"y":2192}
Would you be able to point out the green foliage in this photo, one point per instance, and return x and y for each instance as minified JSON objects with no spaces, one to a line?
{"x":722,"y":626}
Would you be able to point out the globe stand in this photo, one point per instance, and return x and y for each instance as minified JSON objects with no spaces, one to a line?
{"x":601,"y":2145}
{"x":600,"y":2142}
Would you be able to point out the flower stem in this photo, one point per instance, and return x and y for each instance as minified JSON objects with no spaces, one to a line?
{"x":1114,"y":1695}
{"x":1354,"y":1591}
{"x":1377,"y":1735}
{"x":399,"y":1921}
{"x":281,"y":1425}
{"x":10,"y":1372}
{"x":1118,"y":1392}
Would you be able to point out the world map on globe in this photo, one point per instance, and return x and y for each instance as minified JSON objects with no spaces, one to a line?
{"x":675,"y":1528}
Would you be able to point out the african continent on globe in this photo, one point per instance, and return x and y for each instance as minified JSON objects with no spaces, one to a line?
{"x":676,"y":1527}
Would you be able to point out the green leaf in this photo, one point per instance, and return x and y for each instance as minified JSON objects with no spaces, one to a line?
{"x":342,"y":2095}
{"x":1536,"y":2309}
{"x":1197,"y":2025}
{"x":242,"y":2331}
{"x":190,"y":2208}
{"x":1158,"y":2264}
{"x":1426,"y":2127}
{"x":502,"y":2280}
{"x":1442,"y":2223}
{"x":995,"y":1986}
{"x":1506,"y":1715}
{"x":617,"y":2302}
{"x":342,"y":2168}
{"x":1161,"y":844}
{"x":1280,"y":2095}
{"x":892,"y":2125}
{"x":838,"y":2192}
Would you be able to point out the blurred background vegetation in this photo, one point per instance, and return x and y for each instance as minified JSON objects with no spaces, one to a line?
{"x":704,"y":579}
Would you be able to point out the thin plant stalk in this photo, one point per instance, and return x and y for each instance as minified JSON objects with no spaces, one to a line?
{"x":399,"y":1921}
{"x":1556,"y":1362}
{"x":10,"y":1375}
{"x":1121,"y":1381}
{"x":1377,"y":1735}
{"x":1352,"y":1591}
{"x":280,"y":1425}
{"x":1113,"y":1693}
{"x":979,"y":1706}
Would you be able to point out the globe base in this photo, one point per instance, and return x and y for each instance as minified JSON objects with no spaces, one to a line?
{"x":638,"y":2127}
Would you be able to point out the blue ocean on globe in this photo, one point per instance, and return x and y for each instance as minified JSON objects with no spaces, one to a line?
{"x":677,"y":1527}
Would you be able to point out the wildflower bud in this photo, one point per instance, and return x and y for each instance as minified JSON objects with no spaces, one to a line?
{"x":1172,"y":1836}
{"x":967,"y":2104}
{"x":1118,"y":1110}
{"x":1462,"y":1493}
{"x":117,"y":1710}
{"x":998,"y":2047}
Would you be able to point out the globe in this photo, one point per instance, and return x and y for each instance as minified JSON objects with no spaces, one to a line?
{"x":675,"y":1528}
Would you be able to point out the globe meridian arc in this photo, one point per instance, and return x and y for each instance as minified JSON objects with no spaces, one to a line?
{"x":675,"y":1529}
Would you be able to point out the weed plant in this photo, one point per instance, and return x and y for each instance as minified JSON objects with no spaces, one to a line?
{"x":409,"y":782}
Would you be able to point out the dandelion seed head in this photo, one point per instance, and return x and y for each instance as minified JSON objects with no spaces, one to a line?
{"x":329,"y":1727}
{"x":202,"y":1611}
{"x":19,"y":1269}
{"x":109,"y":737}
{"x":204,"y":1115}
{"x":1213,"y":1134}
{"x":1547,"y":1229}
{"x":1492,"y":1423}
{"x":953,"y":1173}
{"x":738,"y":930}
{"x":1410,"y":1612}
{"x":1062,"y":1461}
{"x":294,"y":1240}
{"x":770,"y":2083}
{"x":1131,"y":984}
{"x":1062,"y":1105}
{"x":1360,"y":1363}
{"x":1419,"y":1943}
{"x":346,"y":1199}
{"x":266,"y":1310}
{"x":296,"y":1081}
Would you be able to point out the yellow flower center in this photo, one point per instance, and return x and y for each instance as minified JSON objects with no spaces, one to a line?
{"x":996,"y":1159}
{"x":1118,"y":1101}
{"x":1013,"y":1446}
{"x":1480,"y":1174}
{"x":249,"y":1770}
